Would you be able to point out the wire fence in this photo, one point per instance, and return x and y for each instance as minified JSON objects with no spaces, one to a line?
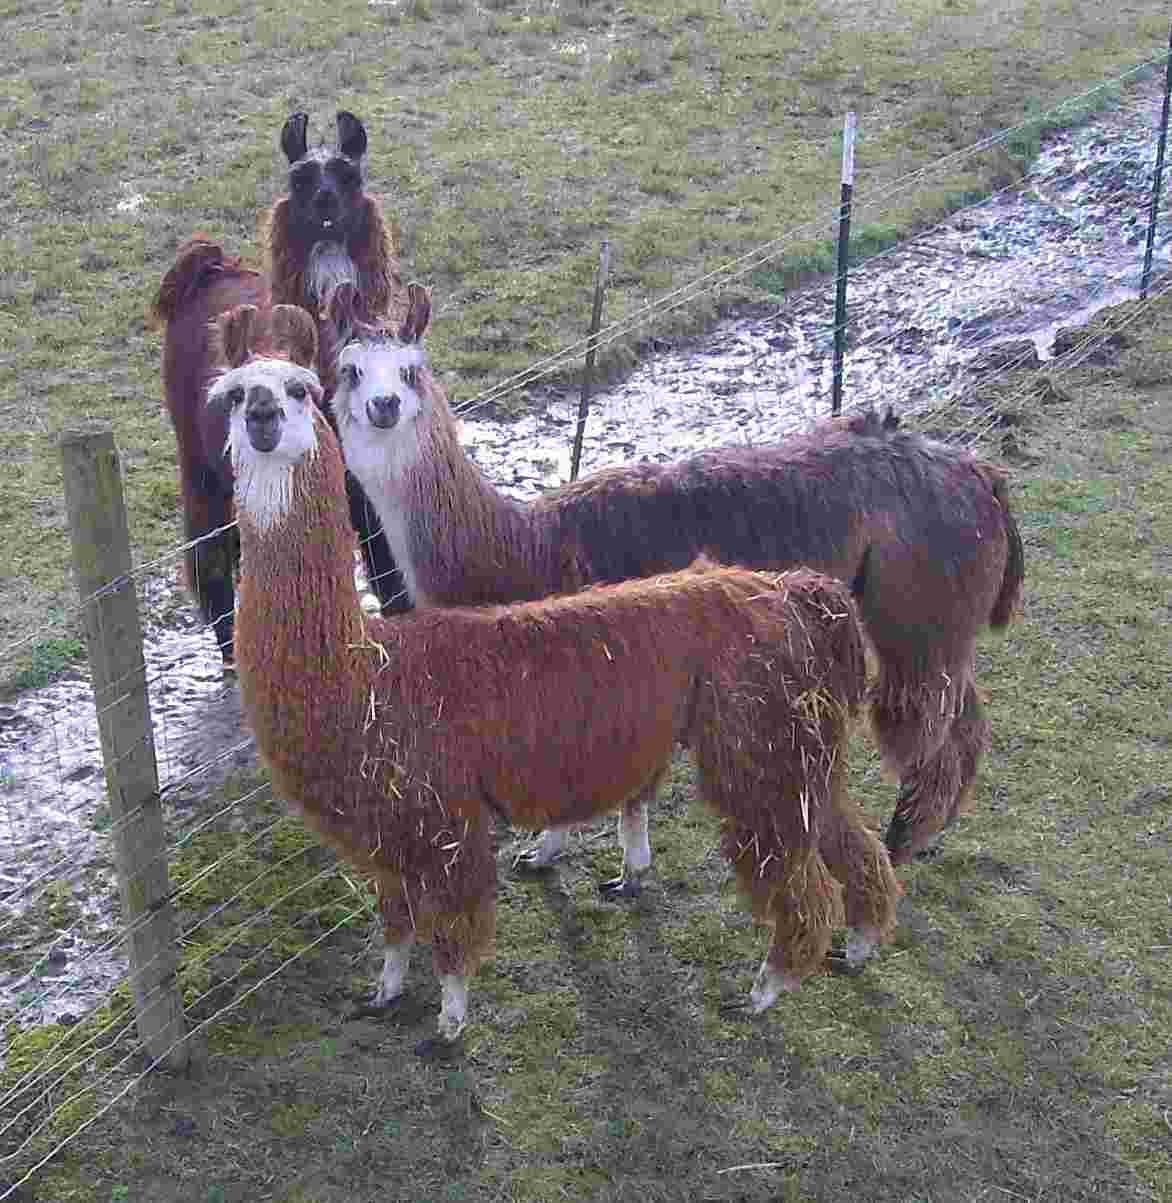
{"x":252,"y":893}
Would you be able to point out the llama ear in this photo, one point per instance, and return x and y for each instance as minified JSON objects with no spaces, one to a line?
{"x":418,"y":314}
{"x":295,"y":334}
{"x":195,"y":262}
{"x":238,"y":330}
{"x":293,"y":136}
{"x":351,"y":136}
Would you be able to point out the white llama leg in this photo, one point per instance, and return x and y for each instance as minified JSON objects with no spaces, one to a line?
{"x":636,"y":850}
{"x":396,"y":962}
{"x":549,"y":846}
{"x":454,"y":1009}
{"x":769,"y":985}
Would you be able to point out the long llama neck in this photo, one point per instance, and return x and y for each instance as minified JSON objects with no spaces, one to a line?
{"x":460,"y":541}
{"x":299,"y":625}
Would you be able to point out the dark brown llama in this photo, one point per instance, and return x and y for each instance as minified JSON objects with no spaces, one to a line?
{"x":327,"y":230}
{"x":922,"y":531}
{"x":202,"y":283}
{"x":402,"y":740}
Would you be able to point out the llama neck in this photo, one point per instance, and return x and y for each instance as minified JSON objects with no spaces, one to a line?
{"x":329,"y":264}
{"x":457,"y":539}
{"x":299,"y":621}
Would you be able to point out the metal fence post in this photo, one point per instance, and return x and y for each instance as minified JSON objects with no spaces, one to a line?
{"x":844,"y":237}
{"x":101,"y":561}
{"x":591,"y":353}
{"x":1146,"y":278}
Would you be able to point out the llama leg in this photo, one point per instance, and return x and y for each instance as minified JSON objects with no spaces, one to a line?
{"x":454,"y":1008}
{"x":396,"y":962}
{"x":632,"y":832}
{"x":211,"y":561}
{"x":934,"y":792}
{"x":800,"y":901}
{"x":914,"y":723}
{"x":398,"y":941}
{"x":860,"y":863}
{"x":549,"y":846}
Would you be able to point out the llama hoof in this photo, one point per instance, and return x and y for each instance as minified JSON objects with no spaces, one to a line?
{"x":436,"y":1048}
{"x":769,"y":986}
{"x":931,"y":852}
{"x":838,"y":964}
{"x":531,"y":861}
{"x":861,"y":942}
{"x":621,"y":887}
{"x":373,"y":1008}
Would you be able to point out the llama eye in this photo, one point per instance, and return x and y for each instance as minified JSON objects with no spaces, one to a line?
{"x":304,"y":180}
{"x":296,"y":390}
{"x":345,"y":175}
{"x":352,"y":374}
{"x":234,"y":396}
{"x":409,"y":376}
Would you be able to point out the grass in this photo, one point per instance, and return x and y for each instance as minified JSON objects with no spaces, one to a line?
{"x":1012,"y":1042}
{"x":507,"y":138}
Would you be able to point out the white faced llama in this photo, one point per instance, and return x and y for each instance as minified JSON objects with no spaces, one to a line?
{"x":923,"y":532}
{"x":401,"y":740}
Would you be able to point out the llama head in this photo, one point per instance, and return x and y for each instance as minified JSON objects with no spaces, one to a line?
{"x":326,"y":198}
{"x":382,"y":387}
{"x":272,"y":397}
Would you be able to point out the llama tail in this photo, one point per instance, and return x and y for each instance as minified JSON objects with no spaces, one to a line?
{"x":1010,"y":594}
{"x":196,"y":262}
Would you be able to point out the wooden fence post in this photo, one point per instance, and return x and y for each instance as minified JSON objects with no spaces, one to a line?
{"x":101,"y":563}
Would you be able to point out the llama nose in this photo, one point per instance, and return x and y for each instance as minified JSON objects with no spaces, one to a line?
{"x":262,"y":418}
{"x":325,"y":204}
{"x":383,"y":412}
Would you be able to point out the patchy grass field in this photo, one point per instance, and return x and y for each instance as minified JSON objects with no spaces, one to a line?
{"x":1014,"y":1043}
{"x":1011,"y":1044}
{"x":508,"y":137}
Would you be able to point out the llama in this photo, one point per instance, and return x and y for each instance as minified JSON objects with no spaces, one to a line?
{"x":923,"y":532}
{"x":201,"y":284}
{"x":328,"y":229}
{"x":325,"y":231}
{"x":401,"y":741}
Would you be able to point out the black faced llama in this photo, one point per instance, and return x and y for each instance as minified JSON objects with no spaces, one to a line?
{"x":327,"y":230}
{"x":923,"y":532}
{"x":401,"y":740}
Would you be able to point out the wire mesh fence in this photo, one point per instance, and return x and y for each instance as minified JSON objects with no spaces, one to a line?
{"x":251,"y":891}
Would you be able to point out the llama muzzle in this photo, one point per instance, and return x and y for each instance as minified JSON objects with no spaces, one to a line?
{"x":262,"y":418}
{"x":383,"y":411}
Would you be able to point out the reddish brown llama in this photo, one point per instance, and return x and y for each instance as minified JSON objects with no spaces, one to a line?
{"x":922,"y":531}
{"x":401,"y":740}
{"x":327,"y":230}
{"x":202,"y":283}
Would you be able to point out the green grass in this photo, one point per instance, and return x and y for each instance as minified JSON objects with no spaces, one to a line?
{"x":507,"y":139}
